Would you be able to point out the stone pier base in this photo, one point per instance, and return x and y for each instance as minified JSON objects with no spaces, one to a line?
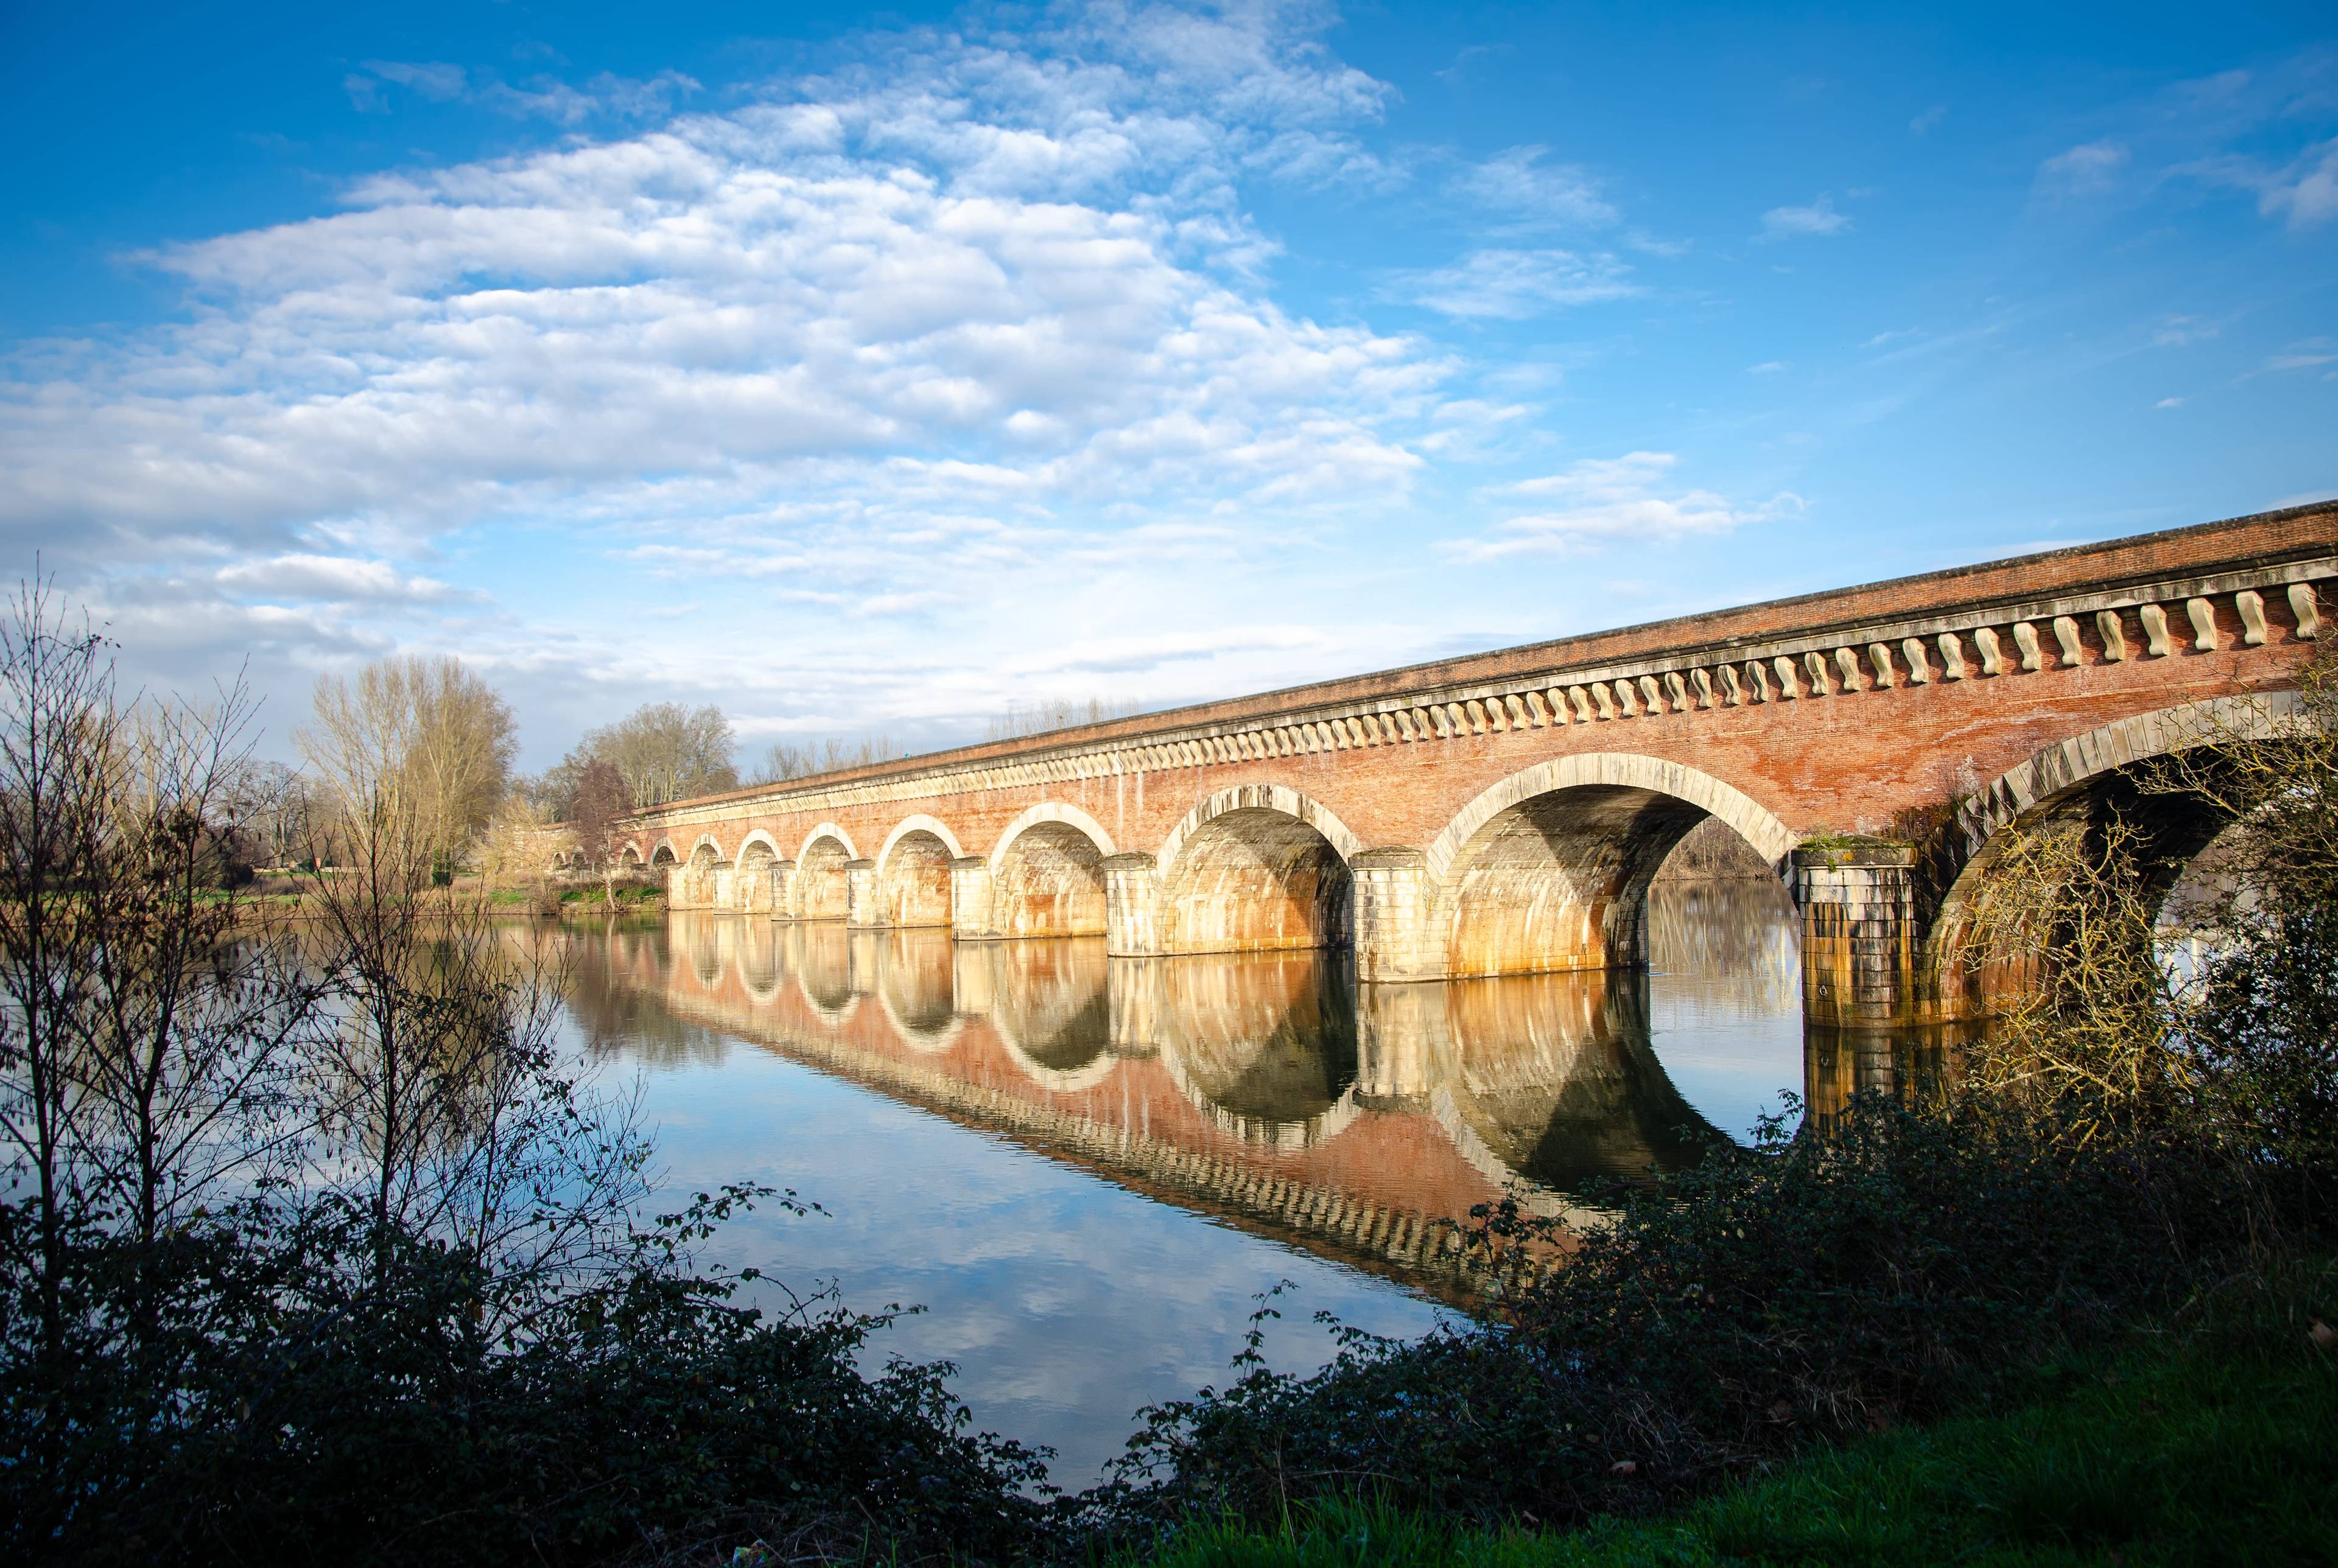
{"x":1131,"y":904}
{"x":1860,"y":936}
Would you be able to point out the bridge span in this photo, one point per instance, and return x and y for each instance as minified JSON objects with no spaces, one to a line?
{"x":1503,"y":813}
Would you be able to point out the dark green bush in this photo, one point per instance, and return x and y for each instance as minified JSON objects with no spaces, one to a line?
{"x":1802,"y":1290}
{"x":265,"y":1388}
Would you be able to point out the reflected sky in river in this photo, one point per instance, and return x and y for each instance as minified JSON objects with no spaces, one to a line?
{"x":1084,"y":1169}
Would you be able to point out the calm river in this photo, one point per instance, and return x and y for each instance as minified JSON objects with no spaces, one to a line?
{"x":1084,"y":1170}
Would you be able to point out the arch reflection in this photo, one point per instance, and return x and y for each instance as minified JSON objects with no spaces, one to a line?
{"x":1268,"y":1088}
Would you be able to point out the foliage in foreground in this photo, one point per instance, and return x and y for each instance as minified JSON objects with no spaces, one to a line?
{"x":265,"y":1388}
{"x":2191,"y":1448}
{"x":1807,"y":1289}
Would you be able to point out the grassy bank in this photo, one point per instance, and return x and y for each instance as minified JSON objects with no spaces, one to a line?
{"x":2215,"y":1446}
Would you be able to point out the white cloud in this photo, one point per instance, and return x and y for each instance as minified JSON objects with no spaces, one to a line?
{"x":2170,"y":403}
{"x":1603,"y":501}
{"x":541,"y":97}
{"x":1923,"y":124}
{"x":1511,"y":285}
{"x":331,"y":578}
{"x":957,"y":331}
{"x":1520,"y":185}
{"x":2087,"y":168}
{"x":2305,"y":190}
{"x":1817,"y":218}
{"x":1767,"y":368}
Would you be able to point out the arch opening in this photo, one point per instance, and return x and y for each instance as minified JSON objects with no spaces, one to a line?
{"x":2076,"y":787}
{"x":1050,"y":883}
{"x":663,"y":856}
{"x":1255,"y":879}
{"x":915,"y":881}
{"x":756,"y":880}
{"x":819,"y":875}
{"x":701,"y":878}
{"x":1559,"y":880}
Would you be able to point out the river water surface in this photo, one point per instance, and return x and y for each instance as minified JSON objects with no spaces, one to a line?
{"x":1087,"y":1170}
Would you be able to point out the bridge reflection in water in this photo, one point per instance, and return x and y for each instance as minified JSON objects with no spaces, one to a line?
{"x":1270,"y":1089}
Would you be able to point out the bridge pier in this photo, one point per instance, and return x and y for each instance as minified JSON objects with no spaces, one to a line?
{"x":863,"y":894}
{"x":1861,"y":941}
{"x":973,"y":918}
{"x":1397,"y":935}
{"x":784,"y":873}
{"x":1132,"y":897}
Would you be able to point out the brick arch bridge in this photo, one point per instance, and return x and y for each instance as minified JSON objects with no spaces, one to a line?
{"x":1503,"y":813}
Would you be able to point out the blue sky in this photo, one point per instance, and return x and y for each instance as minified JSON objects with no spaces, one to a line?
{"x":871,"y":371}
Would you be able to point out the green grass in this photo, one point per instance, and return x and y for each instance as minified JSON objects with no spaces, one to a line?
{"x":2222,"y":1451}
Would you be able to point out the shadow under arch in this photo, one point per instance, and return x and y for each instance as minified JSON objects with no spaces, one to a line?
{"x":754,"y":878}
{"x":2073,"y":786}
{"x":819,"y":889}
{"x":1549,"y":869}
{"x":1046,"y":874}
{"x":1257,"y":868}
{"x":913,"y":873}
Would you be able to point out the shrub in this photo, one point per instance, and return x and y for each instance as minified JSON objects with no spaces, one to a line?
{"x":260,"y":1389}
{"x":1806,"y":1288}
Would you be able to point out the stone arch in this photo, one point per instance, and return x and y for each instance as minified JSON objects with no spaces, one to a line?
{"x":755,"y":880}
{"x":2072,"y":780}
{"x":1549,"y":869}
{"x":829,"y":831}
{"x":1257,"y":868}
{"x":662,"y":853}
{"x":1046,"y":874}
{"x":630,"y":858}
{"x":818,"y":889}
{"x":913,"y":873}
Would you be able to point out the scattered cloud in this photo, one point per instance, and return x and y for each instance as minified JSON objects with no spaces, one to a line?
{"x":1922,"y":125}
{"x":2308,"y":354}
{"x":1518,"y":184}
{"x":2170,"y":403}
{"x":1767,"y":368}
{"x":1511,"y":285}
{"x":1818,"y":218}
{"x":2180,"y":331}
{"x":331,"y":578}
{"x":2304,"y":192}
{"x":2084,"y":170}
{"x":540,"y":97}
{"x":1607,"y":500}
{"x":1897,"y":335}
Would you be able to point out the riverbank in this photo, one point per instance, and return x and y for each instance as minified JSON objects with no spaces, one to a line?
{"x":2204,"y":1443}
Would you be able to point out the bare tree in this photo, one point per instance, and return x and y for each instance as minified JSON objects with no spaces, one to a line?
{"x":784,"y":760}
{"x":663,"y":751}
{"x":56,"y":756}
{"x":437,"y":1089}
{"x":597,"y":816}
{"x":141,"y":1019}
{"x":195,"y":996}
{"x":1044,"y":714}
{"x":427,"y":732}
